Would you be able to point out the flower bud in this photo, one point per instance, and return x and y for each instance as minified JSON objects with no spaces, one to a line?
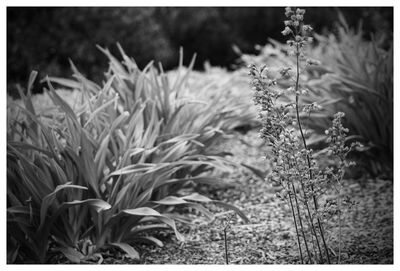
{"x":307,"y":28}
{"x":300,"y":11}
{"x":288,"y":11}
{"x":286,"y":31}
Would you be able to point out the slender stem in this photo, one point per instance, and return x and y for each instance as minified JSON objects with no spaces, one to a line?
{"x":310,"y":220}
{"x":340,"y":214}
{"x":314,"y":246}
{"x":340,"y":226}
{"x":305,"y":146}
{"x":323,"y":240}
{"x":226,"y":247}
{"x":300,"y":221}
{"x":295,"y":225}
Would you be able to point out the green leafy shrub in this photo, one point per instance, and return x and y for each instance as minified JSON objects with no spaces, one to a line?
{"x":108,"y":168}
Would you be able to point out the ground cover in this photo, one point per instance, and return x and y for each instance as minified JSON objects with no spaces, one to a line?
{"x":269,"y":238}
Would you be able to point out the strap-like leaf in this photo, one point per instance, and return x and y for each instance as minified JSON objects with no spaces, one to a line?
{"x":171,"y":200}
{"x":133,"y":169}
{"x":59,"y":101}
{"x":130,"y":251}
{"x":98,"y":204}
{"x":197,"y":197}
{"x":142,"y":228}
{"x":48,"y":200}
{"x":234,"y":208}
{"x":146,"y":211}
{"x":72,"y":254}
{"x":65,"y":82}
{"x":147,"y":239}
{"x":142,"y":211}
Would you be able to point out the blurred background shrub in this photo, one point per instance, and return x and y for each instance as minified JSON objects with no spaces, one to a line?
{"x":43,"y":39}
{"x":355,"y":77}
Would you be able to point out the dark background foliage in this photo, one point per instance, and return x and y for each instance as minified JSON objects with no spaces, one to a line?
{"x":44,"y":39}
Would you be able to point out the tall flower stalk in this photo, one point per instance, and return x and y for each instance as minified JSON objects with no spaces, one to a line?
{"x":300,"y":38}
{"x":336,"y":138}
{"x":294,"y":167}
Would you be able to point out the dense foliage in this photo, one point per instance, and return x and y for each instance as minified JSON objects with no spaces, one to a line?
{"x":107,"y":168}
{"x":355,"y":76}
{"x":98,"y":169}
{"x":44,"y":38}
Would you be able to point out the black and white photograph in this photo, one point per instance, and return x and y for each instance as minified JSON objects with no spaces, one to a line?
{"x":170,"y":134}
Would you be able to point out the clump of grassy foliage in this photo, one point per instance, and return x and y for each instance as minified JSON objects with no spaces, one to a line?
{"x":304,"y":184}
{"x":361,"y":80}
{"x":355,"y":77}
{"x":109,"y":171}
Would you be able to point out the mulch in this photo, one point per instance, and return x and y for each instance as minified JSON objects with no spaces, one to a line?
{"x":269,"y":238}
